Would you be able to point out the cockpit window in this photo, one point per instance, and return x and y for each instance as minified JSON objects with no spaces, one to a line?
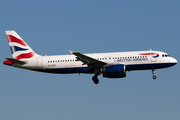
{"x":165,"y":55}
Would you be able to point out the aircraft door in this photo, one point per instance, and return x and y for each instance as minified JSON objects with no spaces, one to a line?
{"x":153,"y":58}
{"x":39,"y":62}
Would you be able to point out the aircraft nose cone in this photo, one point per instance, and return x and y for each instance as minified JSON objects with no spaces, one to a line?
{"x":174,"y":61}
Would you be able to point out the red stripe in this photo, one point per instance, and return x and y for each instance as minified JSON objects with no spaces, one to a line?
{"x":25,"y":55}
{"x":148,"y":54}
{"x":7,"y":62}
{"x":14,"y":39}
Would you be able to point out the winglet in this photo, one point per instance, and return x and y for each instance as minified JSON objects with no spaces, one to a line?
{"x":71,"y":52}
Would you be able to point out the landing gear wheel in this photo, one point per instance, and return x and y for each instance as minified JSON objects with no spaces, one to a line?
{"x":154,"y":77}
{"x":95,"y":79}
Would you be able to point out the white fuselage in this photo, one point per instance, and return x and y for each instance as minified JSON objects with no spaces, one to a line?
{"x":132,"y":61}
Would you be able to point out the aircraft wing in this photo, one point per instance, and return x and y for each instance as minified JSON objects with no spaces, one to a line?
{"x":91,"y":62}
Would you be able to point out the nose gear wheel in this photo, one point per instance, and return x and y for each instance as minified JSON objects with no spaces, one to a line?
{"x":154,"y":76}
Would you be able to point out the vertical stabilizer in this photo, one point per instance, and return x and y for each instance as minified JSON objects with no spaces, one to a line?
{"x":19,"y":48}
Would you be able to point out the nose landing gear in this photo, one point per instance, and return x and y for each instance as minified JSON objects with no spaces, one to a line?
{"x":154,"y":76}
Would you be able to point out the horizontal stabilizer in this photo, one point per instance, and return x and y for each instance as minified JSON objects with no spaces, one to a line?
{"x":16,"y":61}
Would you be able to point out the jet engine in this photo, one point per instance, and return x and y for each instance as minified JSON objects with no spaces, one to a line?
{"x":114,"y":71}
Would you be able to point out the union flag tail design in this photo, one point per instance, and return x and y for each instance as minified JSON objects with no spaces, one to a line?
{"x":19,"y":48}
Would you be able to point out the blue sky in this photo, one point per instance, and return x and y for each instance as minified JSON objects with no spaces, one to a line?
{"x":56,"y":26}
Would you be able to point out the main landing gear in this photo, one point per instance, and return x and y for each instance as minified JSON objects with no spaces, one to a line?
{"x":95,"y":79}
{"x":154,"y":76}
{"x":96,"y":73}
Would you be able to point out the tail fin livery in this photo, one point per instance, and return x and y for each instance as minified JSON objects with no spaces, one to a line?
{"x":19,"y":48}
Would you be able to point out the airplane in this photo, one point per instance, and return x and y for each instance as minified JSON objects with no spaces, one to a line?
{"x":110,"y":65}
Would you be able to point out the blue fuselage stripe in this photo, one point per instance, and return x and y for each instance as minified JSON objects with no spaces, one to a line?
{"x":149,"y":66}
{"x":86,"y":70}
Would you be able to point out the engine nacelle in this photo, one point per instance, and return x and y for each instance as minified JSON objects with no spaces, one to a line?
{"x":114,"y":71}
